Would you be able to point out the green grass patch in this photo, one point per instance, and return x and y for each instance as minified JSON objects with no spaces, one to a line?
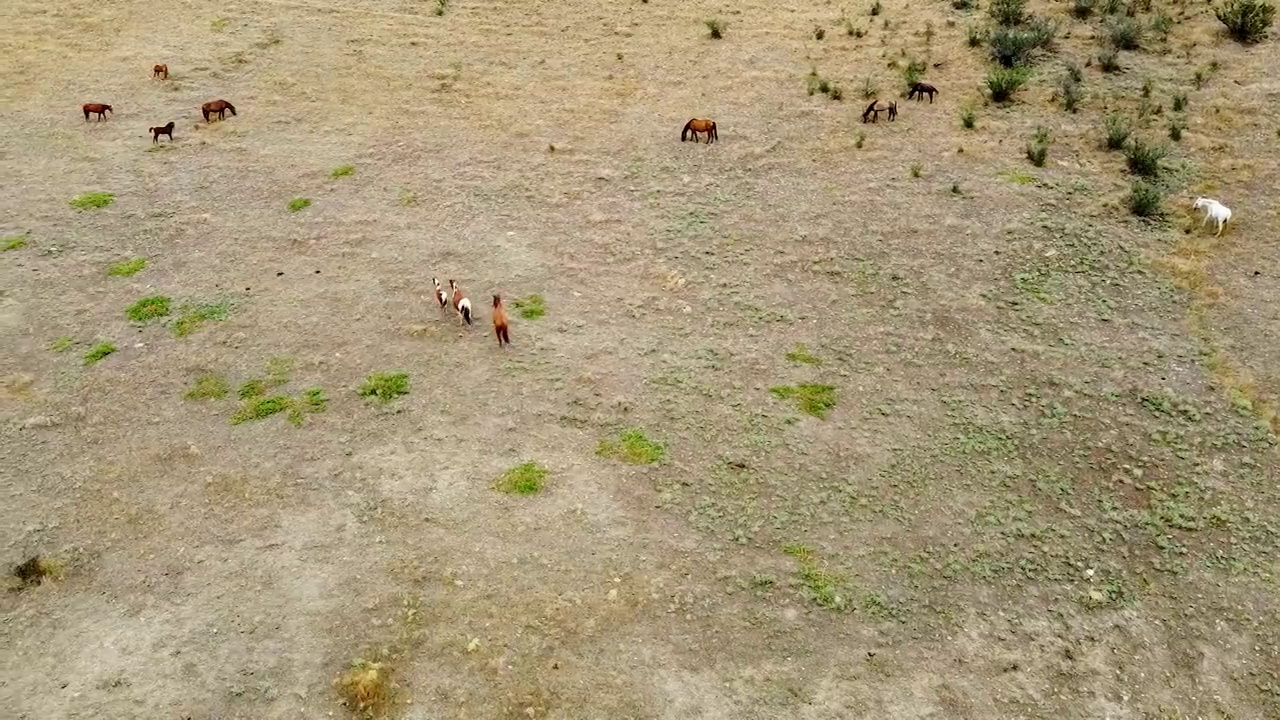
{"x":312,"y":401}
{"x":252,"y":388}
{"x":385,"y":387}
{"x":298,"y":204}
{"x":148,"y":308}
{"x":811,"y":399}
{"x":524,"y":479}
{"x":342,"y":171}
{"x":800,"y":355}
{"x":191,"y":316}
{"x":530,"y":308}
{"x":632,"y":447}
{"x":127,"y":268}
{"x":92,"y":200}
{"x":13,"y":242}
{"x":99,"y":351}
{"x":208,"y":387}
{"x":818,"y":585}
{"x":261,"y":407}
{"x":1018,"y":177}
{"x":62,"y":344}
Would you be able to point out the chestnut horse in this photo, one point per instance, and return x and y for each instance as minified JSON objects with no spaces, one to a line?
{"x":99,"y":108}
{"x":878,"y":106}
{"x":160,"y":71}
{"x":696,"y":126}
{"x":919,"y":90}
{"x":217,"y":106}
{"x":156,"y":132}
{"x":500,"y":322}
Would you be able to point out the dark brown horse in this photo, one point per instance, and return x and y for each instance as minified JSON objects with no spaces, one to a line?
{"x":878,"y":106}
{"x":696,"y":126}
{"x":160,"y":71}
{"x":217,"y":106}
{"x":156,"y":132}
{"x":98,"y":108}
{"x":919,"y":90}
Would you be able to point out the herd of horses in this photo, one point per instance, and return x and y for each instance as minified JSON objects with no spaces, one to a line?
{"x":161,"y":72}
{"x":918,"y":91}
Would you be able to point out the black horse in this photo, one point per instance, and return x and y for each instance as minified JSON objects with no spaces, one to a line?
{"x":919,"y":90}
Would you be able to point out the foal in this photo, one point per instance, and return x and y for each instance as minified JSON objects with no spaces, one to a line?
{"x":160,"y":71}
{"x":1213,"y":210}
{"x":461,"y":302}
{"x":98,"y":108}
{"x":919,"y":90}
{"x":500,"y":322}
{"x":441,"y":296}
{"x":217,"y":106}
{"x":156,"y":132}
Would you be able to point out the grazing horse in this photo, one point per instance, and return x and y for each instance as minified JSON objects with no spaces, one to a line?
{"x":1213,"y":210}
{"x":156,"y":132}
{"x":500,"y":322}
{"x":919,"y":90}
{"x":878,"y":106}
{"x":160,"y":71}
{"x":441,"y":296}
{"x":217,"y":106}
{"x":696,"y":126}
{"x":98,"y":108}
{"x":461,"y":302}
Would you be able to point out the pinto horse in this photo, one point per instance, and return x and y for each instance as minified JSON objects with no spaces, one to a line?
{"x":98,"y":108}
{"x":461,"y":302}
{"x":160,"y":71}
{"x":919,"y":90}
{"x":441,"y":296}
{"x":500,"y":322}
{"x":217,"y":106}
{"x":696,"y":126}
{"x":878,"y":106}
{"x":156,"y":132}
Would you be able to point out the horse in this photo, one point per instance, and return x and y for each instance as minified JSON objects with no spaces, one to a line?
{"x":500,"y":322}
{"x":696,"y":126}
{"x":99,"y":108}
{"x":441,"y":296}
{"x":919,"y":90}
{"x":156,"y":132}
{"x":217,"y":106}
{"x":160,"y":71}
{"x":1213,"y":210}
{"x":879,"y":106}
{"x":460,"y":302}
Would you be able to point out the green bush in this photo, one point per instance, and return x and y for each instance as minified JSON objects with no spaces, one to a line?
{"x":1144,"y":159}
{"x":715,"y":28}
{"x":1145,"y":199}
{"x":1082,"y":9}
{"x":1008,"y":12}
{"x":1125,"y":33}
{"x":1070,"y":93}
{"x":1004,"y":82}
{"x":1117,"y":129}
{"x":968,"y":118}
{"x":1109,"y":60}
{"x":1014,"y":45}
{"x":1248,"y":21}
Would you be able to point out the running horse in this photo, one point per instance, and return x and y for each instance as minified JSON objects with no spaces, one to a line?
{"x":696,"y":126}
{"x":96,"y":108}
{"x":217,"y":106}
{"x":878,"y":106}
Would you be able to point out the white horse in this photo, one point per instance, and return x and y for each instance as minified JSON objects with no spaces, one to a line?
{"x":1214,"y":210}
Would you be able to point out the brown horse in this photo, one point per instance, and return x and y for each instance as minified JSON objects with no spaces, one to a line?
{"x":500,"y":322}
{"x":696,"y":126}
{"x":217,"y":106}
{"x":98,"y":108}
{"x":160,"y":71}
{"x":919,"y":90}
{"x":156,"y":132}
{"x":878,"y":106}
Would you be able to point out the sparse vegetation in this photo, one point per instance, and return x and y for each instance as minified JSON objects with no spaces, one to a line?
{"x":859,"y":140}
{"x":1125,"y":33}
{"x":13,"y":242}
{"x":1144,"y":159}
{"x":530,"y":308}
{"x":1082,"y":9}
{"x":1179,"y":102}
{"x":98,"y":352}
{"x":916,"y":169}
{"x":801,"y":355}
{"x":1004,"y":82}
{"x":300,"y":203}
{"x":257,"y":408}
{"x":92,"y":200}
{"x":1145,"y":199}
{"x":964,"y":4}
{"x":209,"y":386}
{"x":1109,"y":60}
{"x":527,"y":478}
{"x":811,"y":399}
{"x":440,"y":8}
{"x":1013,"y":46}
{"x":819,"y":33}
{"x":1247,"y":21}
{"x":1038,"y":148}
{"x":1117,"y":131}
{"x":1069,"y":92}
{"x":869,"y":89}
{"x":36,"y":569}
{"x":633,"y":447}
{"x":975,"y":36}
{"x":1009,"y":13}
{"x":818,"y":585}
{"x":715,"y":28}
{"x":148,"y":308}
{"x":342,"y":171}
{"x":366,"y":688}
{"x":913,"y":72}
{"x":62,"y":344}
{"x":385,"y":387}
{"x":127,"y":268}
{"x":876,"y":8}
{"x":1175,"y":130}
{"x":968,"y":118}
{"x":192,"y":315}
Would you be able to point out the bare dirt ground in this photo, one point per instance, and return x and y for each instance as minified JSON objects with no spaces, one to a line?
{"x":1048,"y":486}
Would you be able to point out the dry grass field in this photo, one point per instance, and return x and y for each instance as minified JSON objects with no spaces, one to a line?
{"x":824,"y":420}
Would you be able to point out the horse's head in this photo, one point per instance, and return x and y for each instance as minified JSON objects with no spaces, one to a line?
{"x":1200,"y":202}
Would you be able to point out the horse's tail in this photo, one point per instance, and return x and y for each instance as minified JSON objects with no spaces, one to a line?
{"x":688,"y":127}
{"x":714,"y":133}
{"x":465,"y":308}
